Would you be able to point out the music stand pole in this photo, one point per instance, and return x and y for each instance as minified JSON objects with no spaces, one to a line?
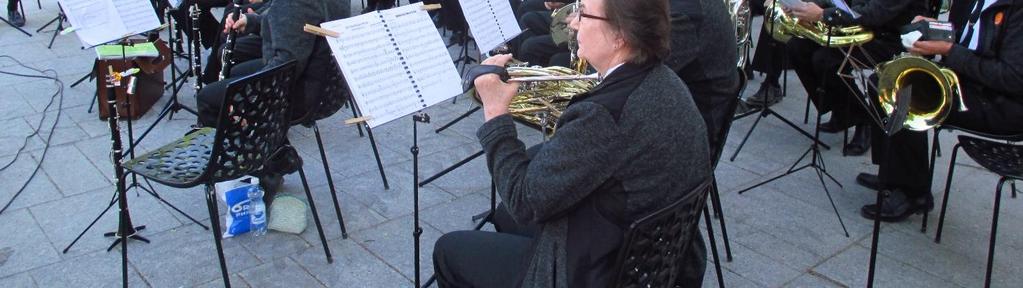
{"x":816,"y":159}
{"x":417,"y":231}
{"x":766,"y":110}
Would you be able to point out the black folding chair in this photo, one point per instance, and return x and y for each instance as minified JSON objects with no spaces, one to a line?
{"x":252,"y":125}
{"x":651,"y":255}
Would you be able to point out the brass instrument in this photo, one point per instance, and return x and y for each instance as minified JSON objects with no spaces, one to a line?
{"x":786,"y":27}
{"x":740,"y":13}
{"x":934,"y":90}
{"x":546,"y":91}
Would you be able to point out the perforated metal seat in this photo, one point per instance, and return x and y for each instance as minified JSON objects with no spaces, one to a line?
{"x":251,"y":126}
{"x":1003,"y":159}
{"x":651,"y":255}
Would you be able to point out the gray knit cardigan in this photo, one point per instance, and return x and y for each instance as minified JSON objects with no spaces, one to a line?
{"x":657,"y":148}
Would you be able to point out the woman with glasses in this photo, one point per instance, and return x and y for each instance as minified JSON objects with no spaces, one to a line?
{"x":626,"y":148}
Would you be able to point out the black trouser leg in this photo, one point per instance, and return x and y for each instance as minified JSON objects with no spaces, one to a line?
{"x":211,"y":96}
{"x":12,"y":5}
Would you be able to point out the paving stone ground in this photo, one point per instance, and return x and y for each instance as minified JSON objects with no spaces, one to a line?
{"x":784,"y":234}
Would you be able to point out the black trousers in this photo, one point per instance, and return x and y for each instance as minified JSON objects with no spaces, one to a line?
{"x":903,"y":158}
{"x":12,"y":5}
{"x":211,"y":97}
{"x":485,"y":259}
{"x":819,"y":75}
{"x":246,"y":47}
{"x":769,"y":56}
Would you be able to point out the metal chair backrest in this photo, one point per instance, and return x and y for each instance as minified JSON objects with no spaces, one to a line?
{"x":252,"y":124}
{"x":335,"y":95}
{"x":654,"y":245}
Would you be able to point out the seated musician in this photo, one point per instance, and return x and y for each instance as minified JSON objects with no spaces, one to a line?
{"x":535,"y":45}
{"x":707,"y":66}
{"x":631,"y":145}
{"x":247,"y":46}
{"x":988,"y":59}
{"x":283,"y":41}
{"x":817,"y":66}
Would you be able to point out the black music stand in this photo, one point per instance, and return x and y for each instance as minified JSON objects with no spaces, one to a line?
{"x":60,"y":19}
{"x":816,"y":160}
{"x":118,"y":198}
{"x":765,"y":110}
{"x":22,"y":16}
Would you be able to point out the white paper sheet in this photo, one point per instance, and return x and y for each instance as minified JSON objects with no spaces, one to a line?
{"x":101,"y":21}
{"x":492,"y":22}
{"x":394,"y":61}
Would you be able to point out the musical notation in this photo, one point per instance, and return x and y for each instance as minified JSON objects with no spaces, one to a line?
{"x":394,"y":61}
{"x":492,"y":22}
{"x":101,"y":21}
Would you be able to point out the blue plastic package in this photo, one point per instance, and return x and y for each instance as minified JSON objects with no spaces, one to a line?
{"x":235,"y":194}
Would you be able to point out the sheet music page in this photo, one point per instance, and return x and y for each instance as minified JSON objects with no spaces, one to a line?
{"x":95,"y":21}
{"x":491,"y":22}
{"x":391,"y":78}
{"x":137,"y":15}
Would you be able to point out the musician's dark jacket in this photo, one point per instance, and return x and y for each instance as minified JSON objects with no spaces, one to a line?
{"x":629,"y":146}
{"x":284,"y":40}
{"x":883,"y":17}
{"x":703,"y":54}
{"x":995,"y":69}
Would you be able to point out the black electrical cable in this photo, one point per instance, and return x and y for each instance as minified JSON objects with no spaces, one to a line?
{"x":49,"y":137}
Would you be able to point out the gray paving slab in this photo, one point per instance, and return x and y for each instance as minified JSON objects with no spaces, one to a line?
{"x":396,"y":202}
{"x":99,"y":269}
{"x":14,"y":106}
{"x":353,"y":266}
{"x":39,"y":189}
{"x":64,"y":219}
{"x":810,"y":280}
{"x":469,"y":178}
{"x":236,"y":281}
{"x":758,"y":268}
{"x":186,"y":256}
{"x":25,"y":246}
{"x":356,"y":216}
{"x":71,"y":171}
{"x":22,"y":280}
{"x":392,"y":242}
{"x":849,"y":268}
{"x":281,"y":272}
{"x":456,"y":215}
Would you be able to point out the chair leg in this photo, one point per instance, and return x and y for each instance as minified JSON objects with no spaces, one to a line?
{"x":713,"y":247}
{"x":211,"y":206}
{"x":316,"y":216}
{"x":994,"y":232}
{"x":944,"y":200}
{"x":935,"y":148}
{"x":330,"y":182}
{"x":1013,"y":184}
{"x":715,"y":199}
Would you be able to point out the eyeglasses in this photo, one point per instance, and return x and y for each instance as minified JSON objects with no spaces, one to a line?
{"x":580,"y":14}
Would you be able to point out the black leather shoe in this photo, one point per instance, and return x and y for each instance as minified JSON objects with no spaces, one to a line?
{"x":833,"y":126}
{"x":898,"y":207}
{"x":16,"y":19}
{"x":284,"y":161}
{"x":860,"y":142}
{"x":870,"y":181}
{"x":271,"y":184}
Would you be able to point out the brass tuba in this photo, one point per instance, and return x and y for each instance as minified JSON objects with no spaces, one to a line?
{"x":740,"y":13}
{"x":786,"y":27}
{"x":934,"y":90}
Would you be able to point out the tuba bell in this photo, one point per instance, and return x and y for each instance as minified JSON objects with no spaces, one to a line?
{"x":785,"y":27}
{"x":934,"y":90}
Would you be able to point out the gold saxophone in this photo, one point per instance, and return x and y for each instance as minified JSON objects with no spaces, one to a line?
{"x":785,"y":27}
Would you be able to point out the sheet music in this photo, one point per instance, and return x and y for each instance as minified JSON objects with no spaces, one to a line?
{"x":137,"y":15}
{"x":174,"y":3}
{"x":101,"y":21}
{"x":394,"y":61}
{"x":492,"y":22}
